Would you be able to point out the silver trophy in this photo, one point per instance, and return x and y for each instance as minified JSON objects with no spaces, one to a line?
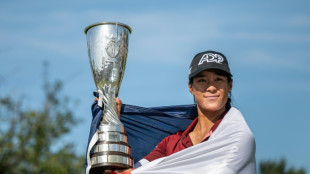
{"x":107,"y":44}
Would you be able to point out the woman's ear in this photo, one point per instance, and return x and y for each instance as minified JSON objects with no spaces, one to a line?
{"x":190,"y":88}
{"x":230,"y":86}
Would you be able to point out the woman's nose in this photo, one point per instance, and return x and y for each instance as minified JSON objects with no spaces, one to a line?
{"x":211,"y":88}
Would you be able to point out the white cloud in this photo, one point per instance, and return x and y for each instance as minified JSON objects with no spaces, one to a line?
{"x":266,"y":36}
{"x":299,"y":20}
{"x":261,"y":60}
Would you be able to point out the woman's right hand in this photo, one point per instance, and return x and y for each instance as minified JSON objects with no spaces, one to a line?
{"x":119,"y":103}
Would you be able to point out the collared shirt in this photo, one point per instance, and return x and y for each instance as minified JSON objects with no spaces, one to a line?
{"x":179,"y":141}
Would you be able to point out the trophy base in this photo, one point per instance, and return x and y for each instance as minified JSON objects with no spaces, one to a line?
{"x":111,"y":152}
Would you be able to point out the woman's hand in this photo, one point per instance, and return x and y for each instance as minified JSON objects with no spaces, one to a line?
{"x":127,"y":171}
{"x":118,"y":107}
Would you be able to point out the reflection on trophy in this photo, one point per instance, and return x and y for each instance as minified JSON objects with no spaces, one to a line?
{"x":107,"y":44}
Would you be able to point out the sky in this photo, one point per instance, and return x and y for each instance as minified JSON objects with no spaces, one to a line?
{"x":267,"y":44}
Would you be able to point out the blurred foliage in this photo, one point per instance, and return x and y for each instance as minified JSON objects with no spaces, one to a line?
{"x":28,"y":137}
{"x":278,"y":167}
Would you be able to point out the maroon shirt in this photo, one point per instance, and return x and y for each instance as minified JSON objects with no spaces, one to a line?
{"x":179,"y":141}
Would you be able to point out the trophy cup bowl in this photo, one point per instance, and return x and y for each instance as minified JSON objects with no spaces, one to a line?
{"x":107,"y":44}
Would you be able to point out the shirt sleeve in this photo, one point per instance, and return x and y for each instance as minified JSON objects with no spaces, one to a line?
{"x":159,"y":151}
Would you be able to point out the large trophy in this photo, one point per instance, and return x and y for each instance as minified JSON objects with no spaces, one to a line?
{"x":107,"y":44}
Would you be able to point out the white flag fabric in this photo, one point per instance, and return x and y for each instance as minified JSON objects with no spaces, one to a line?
{"x":229,"y":150}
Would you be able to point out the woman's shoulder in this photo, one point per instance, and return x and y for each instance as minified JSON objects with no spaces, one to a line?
{"x":172,"y":138}
{"x":233,"y":123}
{"x":175,"y":135}
{"x":235,"y":117}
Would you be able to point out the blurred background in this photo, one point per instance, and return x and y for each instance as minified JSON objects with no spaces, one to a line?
{"x":46,"y":82}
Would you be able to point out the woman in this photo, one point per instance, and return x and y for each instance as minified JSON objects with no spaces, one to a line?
{"x":218,"y":140}
{"x":210,"y":83}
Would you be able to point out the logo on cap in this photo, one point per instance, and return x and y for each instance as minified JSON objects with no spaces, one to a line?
{"x":210,"y":57}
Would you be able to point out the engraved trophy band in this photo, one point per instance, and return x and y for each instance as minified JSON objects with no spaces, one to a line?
{"x":107,"y":44}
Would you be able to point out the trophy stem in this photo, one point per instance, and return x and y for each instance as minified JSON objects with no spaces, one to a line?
{"x":110,"y":115}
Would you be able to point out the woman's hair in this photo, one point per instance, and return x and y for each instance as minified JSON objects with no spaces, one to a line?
{"x":220,"y":73}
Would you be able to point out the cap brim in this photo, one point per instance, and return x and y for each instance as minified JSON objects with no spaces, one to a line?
{"x":207,"y":68}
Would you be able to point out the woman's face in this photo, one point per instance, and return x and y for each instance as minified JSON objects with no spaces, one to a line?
{"x":210,"y":91}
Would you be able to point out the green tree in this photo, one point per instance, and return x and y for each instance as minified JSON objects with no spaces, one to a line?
{"x":27,"y":135}
{"x":278,"y":167}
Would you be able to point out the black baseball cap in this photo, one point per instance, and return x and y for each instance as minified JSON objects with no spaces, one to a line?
{"x":208,"y":60}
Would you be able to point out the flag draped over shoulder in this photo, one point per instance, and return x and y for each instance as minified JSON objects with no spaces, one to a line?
{"x":229,"y":150}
